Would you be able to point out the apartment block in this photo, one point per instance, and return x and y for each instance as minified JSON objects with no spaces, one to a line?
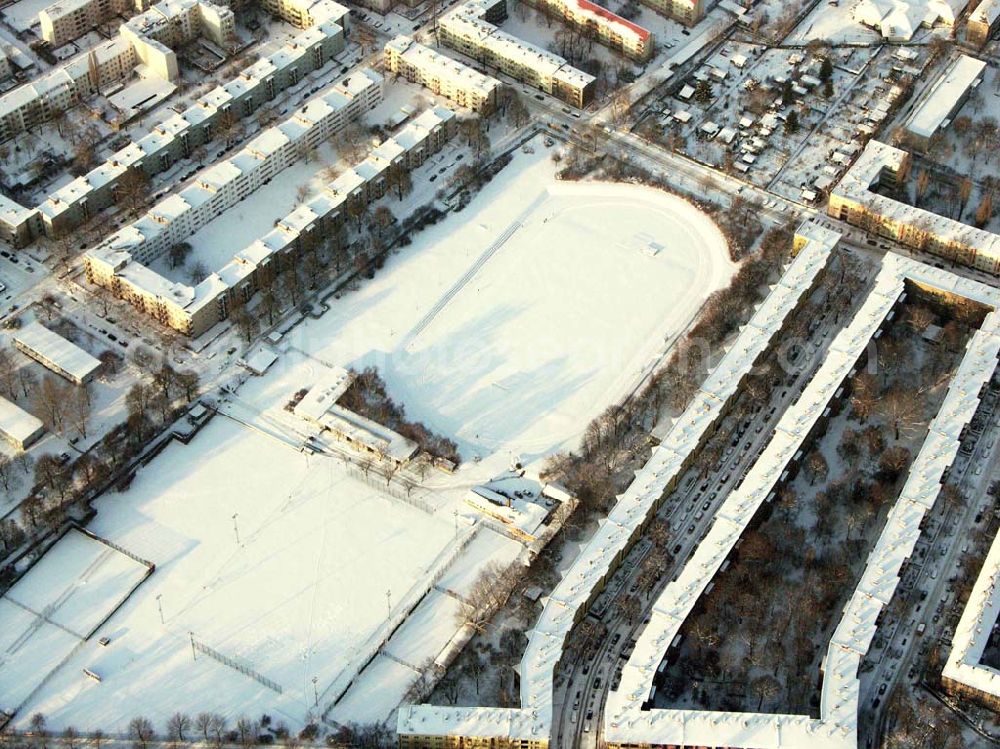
{"x":172,"y":23}
{"x":470,"y":29}
{"x":599,"y":23}
{"x":117,"y":264}
{"x":687,"y":12}
{"x":66,"y":20}
{"x":33,"y":103}
{"x":5,"y":68}
{"x":306,"y":13}
{"x":983,"y":22}
{"x":178,"y":136}
{"x":452,"y":79}
{"x":856,"y":200}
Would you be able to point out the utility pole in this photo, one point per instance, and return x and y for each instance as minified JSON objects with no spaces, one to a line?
{"x":236,"y":528}
{"x":388,"y":608}
{"x":159,"y":605}
{"x":194,"y":653}
{"x":315,"y":693}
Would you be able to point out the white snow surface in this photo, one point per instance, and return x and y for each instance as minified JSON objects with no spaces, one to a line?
{"x":60,"y":600}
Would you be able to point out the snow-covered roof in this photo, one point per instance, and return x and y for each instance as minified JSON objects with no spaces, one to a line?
{"x":856,"y":186}
{"x":467,"y":20}
{"x":321,"y":397}
{"x":53,"y":348}
{"x":17,"y":424}
{"x":627,"y":723}
{"x":941,"y":100}
{"x":442,"y":67}
{"x":581,"y":581}
{"x":898,"y":20}
{"x":988,"y":11}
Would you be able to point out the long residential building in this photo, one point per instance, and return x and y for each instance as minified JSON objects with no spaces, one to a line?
{"x":630,"y":723}
{"x":224,"y":184}
{"x":143,"y":39}
{"x":597,"y":22}
{"x":965,"y":673}
{"x":856,"y":201}
{"x":181,"y":134}
{"x":470,"y":29}
{"x":194,"y":309}
{"x":31,"y":104}
{"x":418,"y":63}
{"x":66,"y":20}
{"x":940,"y":102}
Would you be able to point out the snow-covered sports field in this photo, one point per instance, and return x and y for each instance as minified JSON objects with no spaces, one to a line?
{"x":55,"y":606}
{"x":510,"y":325}
{"x":507,"y":326}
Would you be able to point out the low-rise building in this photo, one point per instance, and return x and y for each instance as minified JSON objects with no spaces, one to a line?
{"x":597,"y":22}
{"x":856,"y":201}
{"x":983,"y":22}
{"x":470,"y":29}
{"x":53,"y":351}
{"x":939,"y":103}
{"x":17,"y":426}
{"x":441,"y":74}
{"x":194,"y":309}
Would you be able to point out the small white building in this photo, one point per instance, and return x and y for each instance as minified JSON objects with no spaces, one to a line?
{"x":17,"y":426}
{"x":56,"y":353}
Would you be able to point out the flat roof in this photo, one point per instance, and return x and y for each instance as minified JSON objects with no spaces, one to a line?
{"x":17,"y":423}
{"x":51,"y":346}
{"x":944,"y":96}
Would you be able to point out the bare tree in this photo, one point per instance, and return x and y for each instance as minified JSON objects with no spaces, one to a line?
{"x":140,"y":731}
{"x":78,"y":409}
{"x":50,"y":403}
{"x":177,"y":726}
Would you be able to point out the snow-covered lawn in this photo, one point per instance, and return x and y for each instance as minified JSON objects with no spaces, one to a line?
{"x":57,"y":604}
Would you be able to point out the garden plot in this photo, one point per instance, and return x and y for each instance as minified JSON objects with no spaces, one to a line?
{"x":56,"y":606}
{"x":862,"y":82}
{"x":732,"y":111}
{"x":320,"y":559}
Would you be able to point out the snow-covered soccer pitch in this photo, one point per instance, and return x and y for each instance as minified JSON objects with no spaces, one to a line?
{"x":58,"y":603}
{"x":508,"y":326}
